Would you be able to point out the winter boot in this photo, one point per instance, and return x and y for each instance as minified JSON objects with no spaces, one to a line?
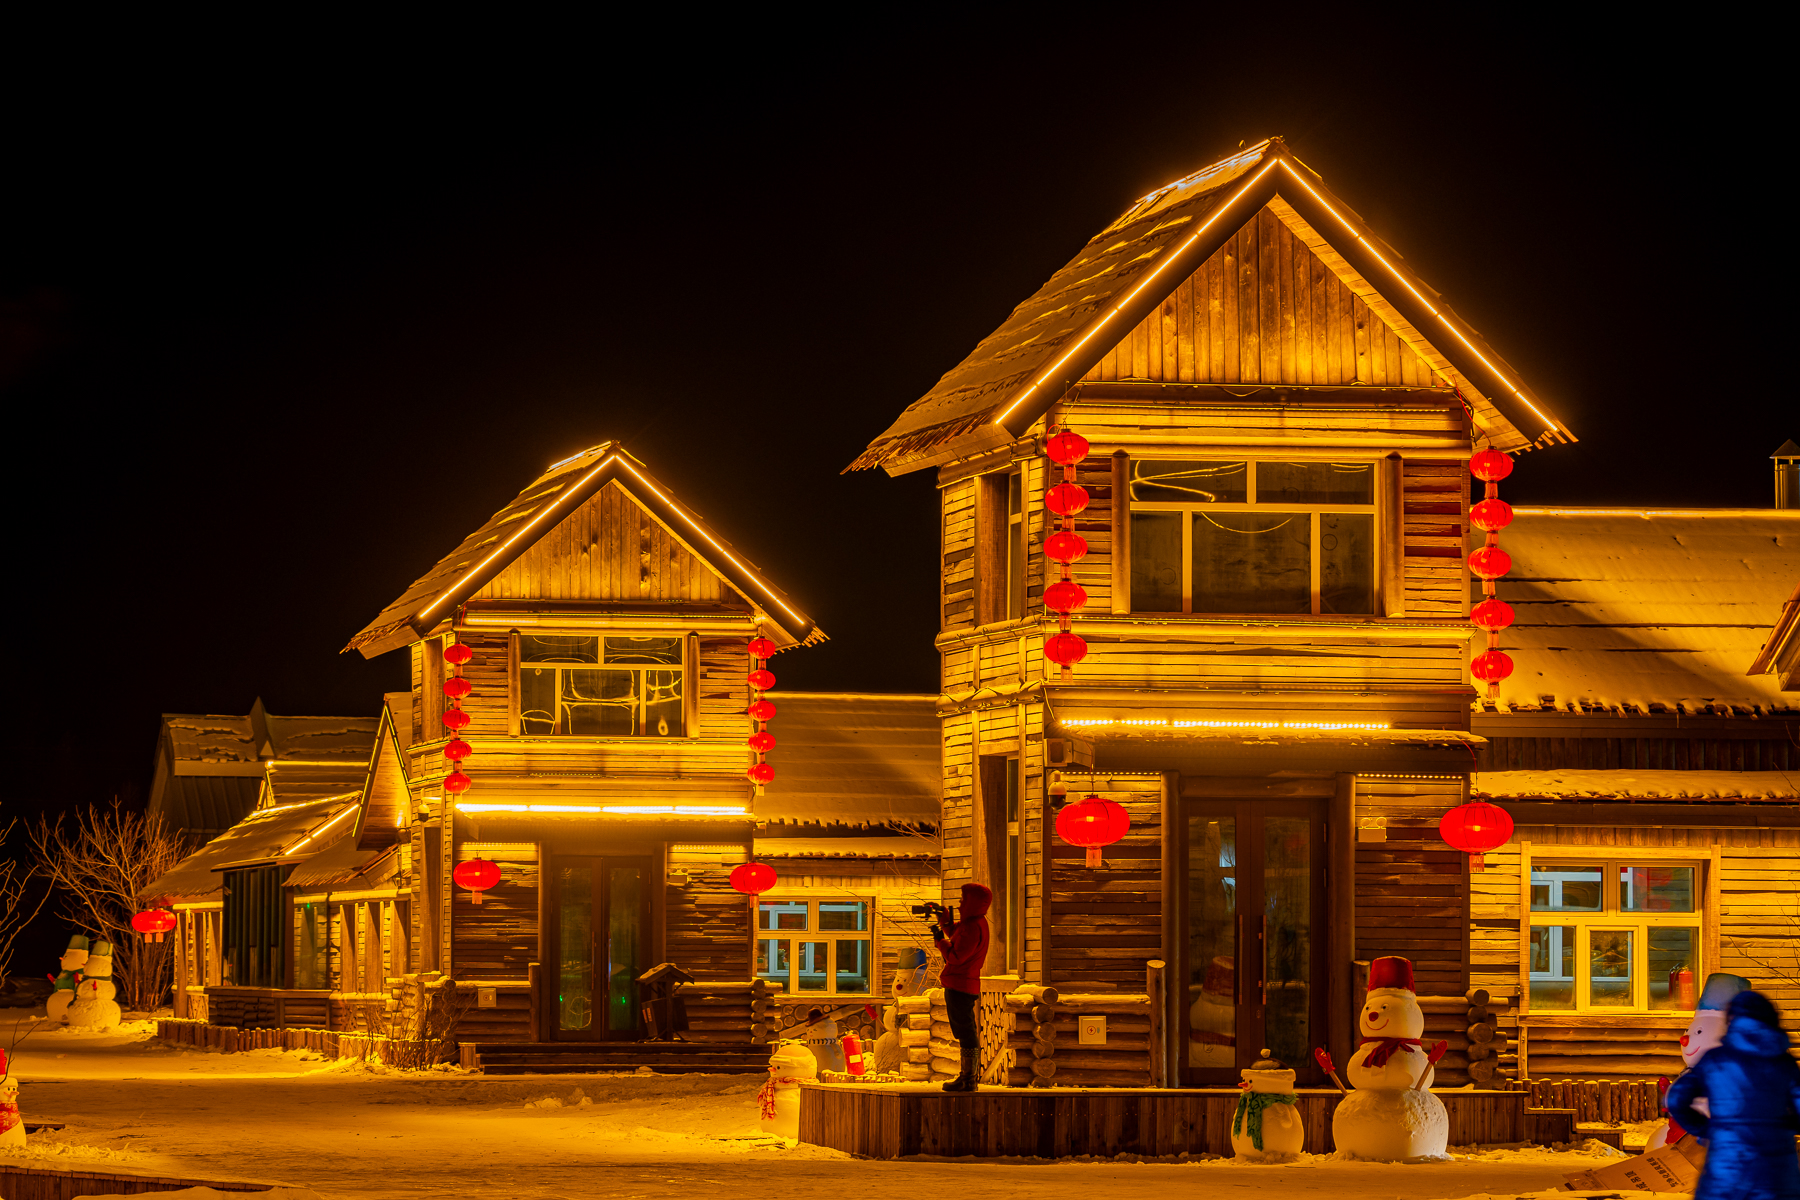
{"x":965,"y":1081}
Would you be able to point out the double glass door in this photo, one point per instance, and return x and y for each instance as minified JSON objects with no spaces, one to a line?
{"x":601,"y":927}
{"x":1256,"y":937}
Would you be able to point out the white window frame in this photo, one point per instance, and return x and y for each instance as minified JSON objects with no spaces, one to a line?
{"x":1610,"y":918}
{"x":812,"y":933}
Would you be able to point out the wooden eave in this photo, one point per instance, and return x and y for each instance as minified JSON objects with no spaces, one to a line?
{"x":434,"y":596}
{"x":1779,"y":652}
{"x":388,"y":754}
{"x":1105,"y":291}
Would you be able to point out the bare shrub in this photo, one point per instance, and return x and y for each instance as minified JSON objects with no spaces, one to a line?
{"x":17,"y":909}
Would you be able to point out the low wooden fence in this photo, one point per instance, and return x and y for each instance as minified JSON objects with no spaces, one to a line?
{"x":1605,"y":1101}
{"x":394,"y":1052}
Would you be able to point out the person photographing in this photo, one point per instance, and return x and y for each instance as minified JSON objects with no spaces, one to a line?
{"x":964,"y":945}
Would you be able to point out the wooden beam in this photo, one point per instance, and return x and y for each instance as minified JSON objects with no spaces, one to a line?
{"x":1390,"y":533}
{"x":1121,"y":534}
{"x":1340,"y":826}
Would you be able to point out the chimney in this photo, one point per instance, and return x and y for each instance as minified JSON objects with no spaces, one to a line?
{"x":1787,"y":475}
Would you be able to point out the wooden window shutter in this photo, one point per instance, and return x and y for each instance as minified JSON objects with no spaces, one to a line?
{"x":990,"y":548}
{"x":690,"y":687}
{"x":512,"y":683}
{"x":1121,"y":534}
{"x":432,"y":690}
{"x":1390,"y":538}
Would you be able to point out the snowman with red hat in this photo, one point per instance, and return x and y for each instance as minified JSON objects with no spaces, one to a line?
{"x":1391,"y":1115}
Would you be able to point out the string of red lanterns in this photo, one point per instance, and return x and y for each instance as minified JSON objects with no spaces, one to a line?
{"x":761,"y":711}
{"x":1489,"y":562}
{"x":1065,"y":547}
{"x":456,"y":657}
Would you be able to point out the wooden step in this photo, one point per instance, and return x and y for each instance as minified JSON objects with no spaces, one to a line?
{"x":680,"y":1066}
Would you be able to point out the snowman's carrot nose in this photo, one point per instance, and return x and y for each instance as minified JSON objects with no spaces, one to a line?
{"x":1684,"y":1041}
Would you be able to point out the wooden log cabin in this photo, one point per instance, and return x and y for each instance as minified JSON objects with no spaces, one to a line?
{"x":609,"y":627}
{"x":1281,"y":415}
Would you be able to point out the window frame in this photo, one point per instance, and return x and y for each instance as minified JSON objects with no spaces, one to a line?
{"x":1372,"y":510}
{"x":812,"y":933}
{"x":518,"y":667}
{"x":1610,"y":918}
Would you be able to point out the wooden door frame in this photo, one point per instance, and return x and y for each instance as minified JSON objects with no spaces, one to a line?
{"x":550,"y":907}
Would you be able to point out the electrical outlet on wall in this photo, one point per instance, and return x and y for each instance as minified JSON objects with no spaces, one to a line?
{"x":1092,"y":1031}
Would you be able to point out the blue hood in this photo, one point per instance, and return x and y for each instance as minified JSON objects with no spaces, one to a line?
{"x":1754,"y":1027}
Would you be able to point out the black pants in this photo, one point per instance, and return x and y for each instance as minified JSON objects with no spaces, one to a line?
{"x":962,"y":1017}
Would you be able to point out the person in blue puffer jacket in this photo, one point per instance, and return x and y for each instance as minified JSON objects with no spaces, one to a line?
{"x":1752,"y":1090}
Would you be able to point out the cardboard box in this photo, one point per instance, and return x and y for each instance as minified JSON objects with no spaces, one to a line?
{"x":1671,"y":1169}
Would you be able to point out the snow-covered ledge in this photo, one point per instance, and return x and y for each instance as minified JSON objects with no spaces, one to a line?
{"x":1777,"y":786}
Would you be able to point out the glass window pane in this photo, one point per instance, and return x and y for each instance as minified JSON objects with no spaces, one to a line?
{"x":1161,"y":481}
{"x":624,"y":961}
{"x":537,"y":700}
{"x":1609,"y":967}
{"x":558,"y":648}
{"x":1347,"y":563}
{"x":773,"y":962}
{"x":781,"y":914}
{"x":1252,"y":562}
{"x":843,"y":914}
{"x":1656,"y":889}
{"x":1315,"y":483}
{"x":664,"y":712}
{"x":575,"y":937}
{"x":1212,"y":942}
{"x":1674,"y":966}
{"x":653,"y":651}
{"x":1552,"y":966}
{"x":599,"y":703}
{"x":1565,"y":887}
{"x":1155,"y":562}
{"x":1287,"y":950}
{"x":809,"y":967}
{"x":853,"y":966}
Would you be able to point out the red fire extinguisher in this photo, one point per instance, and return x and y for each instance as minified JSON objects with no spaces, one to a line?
{"x":1681,"y":987}
{"x":853,"y":1054}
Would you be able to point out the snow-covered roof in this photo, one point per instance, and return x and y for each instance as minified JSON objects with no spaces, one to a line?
{"x":848,"y":847}
{"x":1635,"y":785}
{"x":855,"y":758}
{"x":1652,"y":610}
{"x":284,"y":834}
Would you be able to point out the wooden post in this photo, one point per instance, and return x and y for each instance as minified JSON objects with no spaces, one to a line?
{"x":1121,"y":534}
{"x":534,"y":979}
{"x":1390,"y":534}
{"x":1153,"y":984}
{"x":1344,"y":999}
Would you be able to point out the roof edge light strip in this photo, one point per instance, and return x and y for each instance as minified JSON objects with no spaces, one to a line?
{"x":321,"y":829}
{"x":678,"y":810}
{"x":1143,"y":283}
{"x":1432,"y":308}
{"x":1170,"y":723}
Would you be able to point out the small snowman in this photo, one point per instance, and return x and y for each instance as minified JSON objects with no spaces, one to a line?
{"x":1705,"y":1031}
{"x":1391,"y":1116}
{"x":1266,"y":1125}
{"x":1212,"y":1018}
{"x":789,"y":1066}
{"x":12,"y":1125}
{"x":72,"y":961}
{"x":94,"y":1007}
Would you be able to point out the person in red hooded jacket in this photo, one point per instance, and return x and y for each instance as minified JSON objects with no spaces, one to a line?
{"x":964,"y":946}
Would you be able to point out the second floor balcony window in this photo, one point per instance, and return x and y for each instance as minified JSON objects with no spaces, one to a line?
{"x":601,"y":686}
{"x":1252,"y":536}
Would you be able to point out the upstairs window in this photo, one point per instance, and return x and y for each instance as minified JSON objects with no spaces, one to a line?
{"x":1252,"y":536}
{"x":601,"y":686}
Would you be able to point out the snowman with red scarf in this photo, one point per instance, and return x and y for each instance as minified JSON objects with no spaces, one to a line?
{"x":1391,"y":1115}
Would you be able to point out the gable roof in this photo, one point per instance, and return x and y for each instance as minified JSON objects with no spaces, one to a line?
{"x":1645,"y":609}
{"x":292,"y":833}
{"x":559,"y":491}
{"x":1051,"y":340}
{"x":385,"y":794}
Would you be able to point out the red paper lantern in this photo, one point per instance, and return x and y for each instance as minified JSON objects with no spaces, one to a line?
{"x":1065,"y":547}
{"x":1065,"y":649}
{"x":1491,"y":666}
{"x":1066,"y":499}
{"x":457,"y":687}
{"x":1493,"y":615}
{"x":455,"y":718}
{"x":1475,"y":828}
{"x":456,"y":749}
{"x":1092,"y":822}
{"x":476,"y":875}
{"x":1065,"y":596}
{"x":1491,"y":515}
{"x":1065,"y":448}
{"x":752,"y":879}
{"x":762,"y":679}
{"x":153,"y":923}
{"x":456,"y":783}
{"x":761,"y":773}
{"x":457,"y":654}
{"x":1489,"y":562}
{"x":762,"y":647}
{"x":762,"y":710}
{"x":1490,"y":466}
{"x":762,"y":741}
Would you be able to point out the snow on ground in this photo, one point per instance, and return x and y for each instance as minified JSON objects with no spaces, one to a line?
{"x":348,"y":1131}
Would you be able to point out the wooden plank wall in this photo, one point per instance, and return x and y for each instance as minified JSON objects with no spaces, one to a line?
{"x":708,"y":924}
{"x":1264,"y":309}
{"x":957,"y":555}
{"x":1411,"y":890}
{"x":1434,"y":500}
{"x":498,"y":938}
{"x":608,"y":549}
{"x":1639,"y":753}
{"x":1105,"y":925}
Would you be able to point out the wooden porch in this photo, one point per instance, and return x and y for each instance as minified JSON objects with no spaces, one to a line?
{"x":897,"y":1120}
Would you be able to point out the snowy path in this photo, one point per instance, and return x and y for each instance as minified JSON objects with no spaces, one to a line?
{"x":355,"y":1133}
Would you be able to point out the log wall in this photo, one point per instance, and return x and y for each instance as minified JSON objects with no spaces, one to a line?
{"x":498,"y":938}
{"x":1106,"y":923}
{"x":1411,"y":890}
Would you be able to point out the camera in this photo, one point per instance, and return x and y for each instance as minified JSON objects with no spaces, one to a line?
{"x":931,"y":909}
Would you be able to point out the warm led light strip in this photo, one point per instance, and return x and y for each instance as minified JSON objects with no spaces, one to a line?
{"x":679,"y":810}
{"x":1432,"y":308}
{"x":321,"y":829}
{"x":1173,"y":724}
{"x":1132,"y":295}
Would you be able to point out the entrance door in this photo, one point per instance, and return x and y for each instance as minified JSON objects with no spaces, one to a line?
{"x":602,"y":934}
{"x":1256,"y":937}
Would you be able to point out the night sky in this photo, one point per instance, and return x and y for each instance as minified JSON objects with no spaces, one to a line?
{"x":275,"y":337}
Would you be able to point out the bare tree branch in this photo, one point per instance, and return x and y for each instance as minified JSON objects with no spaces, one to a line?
{"x":15,"y":900}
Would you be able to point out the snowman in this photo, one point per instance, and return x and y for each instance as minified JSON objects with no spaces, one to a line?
{"x":909,"y":980}
{"x":1212,"y":1018}
{"x":94,"y":1007}
{"x":789,"y":1066}
{"x":1705,"y":1031}
{"x":12,"y":1126}
{"x":73,"y":959}
{"x":1391,"y":1116}
{"x":1266,"y":1125}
